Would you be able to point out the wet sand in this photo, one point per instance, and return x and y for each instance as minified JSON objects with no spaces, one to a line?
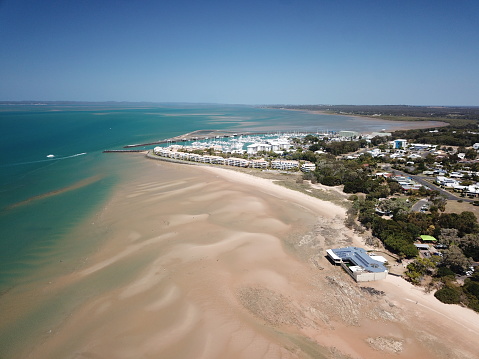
{"x":201,"y":262}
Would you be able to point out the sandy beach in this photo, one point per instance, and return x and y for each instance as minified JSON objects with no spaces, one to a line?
{"x":202,"y":262}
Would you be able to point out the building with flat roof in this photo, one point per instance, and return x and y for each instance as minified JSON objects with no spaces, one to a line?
{"x":284,"y":164}
{"x":400,"y":143}
{"x":348,"y":134}
{"x":358,"y":264}
{"x":427,"y":239}
{"x":422,"y":247}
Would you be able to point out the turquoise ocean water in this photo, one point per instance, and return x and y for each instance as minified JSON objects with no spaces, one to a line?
{"x":42,"y":198}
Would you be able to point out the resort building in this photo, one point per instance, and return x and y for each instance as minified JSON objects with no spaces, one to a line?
{"x":261,"y":163}
{"x":254,"y":148}
{"x":277,"y":146}
{"x":280,"y":144}
{"x":237,"y":162}
{"x":308,"y":167}
{"x":358,"y":264}
{"x":284,"y":165}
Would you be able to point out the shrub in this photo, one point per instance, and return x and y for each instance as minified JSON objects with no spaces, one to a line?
{"x":353,"y":197}
{"x":472,"y":288}
{"x":445,"y":272}
{"x":448,"y":295}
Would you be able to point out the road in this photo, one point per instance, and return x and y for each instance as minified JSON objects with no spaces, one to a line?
{"x":422,"y":180}
{"x":417,"y":206}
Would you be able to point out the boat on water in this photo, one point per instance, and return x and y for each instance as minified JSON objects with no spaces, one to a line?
{"x":50,"y":156}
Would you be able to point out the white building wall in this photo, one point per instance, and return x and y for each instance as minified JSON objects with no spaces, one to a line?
{"x":364,"y":276}
{"x":259,"y":164}
{"x":284,"y":165}
{"x":308,"y":167}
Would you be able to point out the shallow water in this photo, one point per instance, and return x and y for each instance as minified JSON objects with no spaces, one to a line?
{"x":42,"y":198}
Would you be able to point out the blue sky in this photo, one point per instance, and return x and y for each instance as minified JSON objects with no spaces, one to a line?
{"x":250,"y":52}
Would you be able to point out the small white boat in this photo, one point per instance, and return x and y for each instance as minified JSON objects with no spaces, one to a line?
{"x":51,"y":156}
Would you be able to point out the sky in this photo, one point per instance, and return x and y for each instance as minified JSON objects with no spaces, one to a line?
{"x":410,"y":52}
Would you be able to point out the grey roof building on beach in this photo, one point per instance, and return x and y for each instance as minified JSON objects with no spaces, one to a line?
{"x":358,"y":264}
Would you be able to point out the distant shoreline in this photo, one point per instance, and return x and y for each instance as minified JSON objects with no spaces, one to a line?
{"x":411,"y":125}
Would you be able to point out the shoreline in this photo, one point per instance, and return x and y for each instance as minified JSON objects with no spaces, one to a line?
{"x":209,"y":262}
{"x":269,"y":185}
{"x":402,"y":125}
{"x":206,"y":134}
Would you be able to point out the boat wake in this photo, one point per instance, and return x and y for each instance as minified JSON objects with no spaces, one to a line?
{"x":49,"y":159}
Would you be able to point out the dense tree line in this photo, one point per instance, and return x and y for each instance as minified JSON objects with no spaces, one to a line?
{"x":355,"y":175}
{"x":445,"y":136}
{"x":460,"y":232}
{"x":335,"y":148}
{"x":462,"y":112}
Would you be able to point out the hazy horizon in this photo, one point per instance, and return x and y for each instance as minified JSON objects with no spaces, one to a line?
{"x":41,"y":102}
{"x":252,"y":53}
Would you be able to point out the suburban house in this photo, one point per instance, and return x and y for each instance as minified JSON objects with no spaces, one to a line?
{"x":447,"y":182}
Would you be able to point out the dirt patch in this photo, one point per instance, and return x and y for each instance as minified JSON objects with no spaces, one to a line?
{"x":390,"y":345}
{"x":272,"y":307}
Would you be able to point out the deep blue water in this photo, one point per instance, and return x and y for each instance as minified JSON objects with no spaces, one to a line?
{"x":42,"y":198}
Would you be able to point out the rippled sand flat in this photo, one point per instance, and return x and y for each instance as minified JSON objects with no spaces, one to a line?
{"x":206,"y":263}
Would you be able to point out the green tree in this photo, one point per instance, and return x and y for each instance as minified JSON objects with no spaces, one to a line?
{"x":449,"y":236}
{"x":469,"y":245}
{"x":449,"y":295}
{"x":310,"y":139}
{"x":445,"y":272}
{"x":421,"y":267}
{"x":440,"y":203}
{"x":394,"y":204}
{"x":456,"y":260}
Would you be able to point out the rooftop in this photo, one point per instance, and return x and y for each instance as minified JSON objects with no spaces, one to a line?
{"x":426,"y":238}
{"x":359,"y":257}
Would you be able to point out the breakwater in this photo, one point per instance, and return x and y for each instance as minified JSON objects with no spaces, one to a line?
{"x":122,"y":151}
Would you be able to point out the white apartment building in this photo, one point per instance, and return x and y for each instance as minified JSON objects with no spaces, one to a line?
{"x":259,"y":163}
{"x":257,"y":147}
{"x":284,"y":165}
{"x":308,"y":167}
{"x":237,"y":162}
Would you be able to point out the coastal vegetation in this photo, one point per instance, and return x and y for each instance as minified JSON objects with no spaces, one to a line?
{"x":456,"y":116}
{"x":464,"y":136}
{"x":382,"y":209}
{"x":398,"y":231}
